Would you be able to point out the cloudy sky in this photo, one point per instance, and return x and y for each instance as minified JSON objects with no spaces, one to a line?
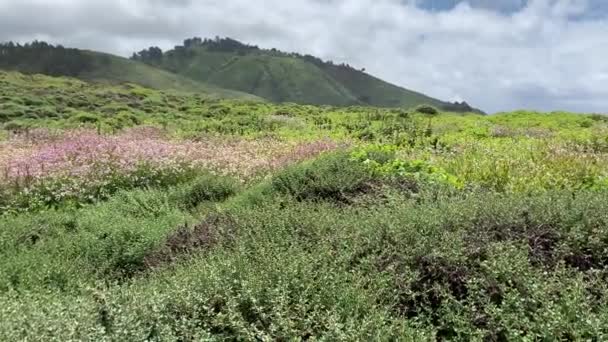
{"x":495,"y":54}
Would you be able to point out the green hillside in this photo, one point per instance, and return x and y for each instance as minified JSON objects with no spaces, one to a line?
{"x":373,"y":91}
{"x":43,"y":58}
{"x":283,"y":77}
{"x":276,"y":78}
{"x":134,"y":214}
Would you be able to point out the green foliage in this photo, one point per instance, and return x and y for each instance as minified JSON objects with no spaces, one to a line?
{"x":426,"y":109}
{"x":43,"y":58}
{"x":61,"y":250}
{"x":85,"y":118}
{"x":282,"y":77}
{"x":382,"y":161}
{"x":332,"y":177}
{"x":14,"y":126}
{"x":208,"y":188}
{"x":100,"y":185}
{"x":455,"y":227}
{"x":464,"y":268}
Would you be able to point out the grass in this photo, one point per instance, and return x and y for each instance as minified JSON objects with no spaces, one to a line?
{"x":116,"y":70}
{"x":295,"y":222}
{"x":282,"y":77}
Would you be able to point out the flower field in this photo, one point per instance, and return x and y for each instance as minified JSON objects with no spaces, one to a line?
{"x":133,"y":214}
{"x":83,"y":165}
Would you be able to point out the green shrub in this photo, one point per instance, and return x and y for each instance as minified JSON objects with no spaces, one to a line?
{"x":208,"y":188}
{"x":381,"y":159}
{"x":76,"y":192}
{"x":128,"y":119}
{"x":33,"y":101}
{"x":11,"y":110}
{"x":333,"y":177}
{"x":14,"y":126}
{"x":599,"y":117}
{"x":426,"y":109}
{"x":82,"y":117}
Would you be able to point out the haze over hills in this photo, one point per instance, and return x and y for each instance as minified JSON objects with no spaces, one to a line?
{"x":283,"y":77}
{"x":226,"y":68}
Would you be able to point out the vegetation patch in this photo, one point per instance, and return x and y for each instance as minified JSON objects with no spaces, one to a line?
{"x":333,"y":177}
{"x":175,"y":216}
{"x":214,"y":229}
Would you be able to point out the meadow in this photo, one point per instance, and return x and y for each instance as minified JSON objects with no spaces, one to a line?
{"x":131,"y":214}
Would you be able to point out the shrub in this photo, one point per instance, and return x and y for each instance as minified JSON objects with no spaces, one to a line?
{"x":209,"y":188}
{"x":98,"y":185}
{"x":128,"y":119}
{"x":599,"y":117}
{"x":14,"y":126}
{"x":382,"y":160}
{"x":82,"y":117}
{"x":334,"y":177}
{"x":12,"y":110}
{"x":426,"y":109}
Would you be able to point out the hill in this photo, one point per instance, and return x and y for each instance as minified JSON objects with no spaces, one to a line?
{"x":43,"y":58}
{"x":284,"y":77}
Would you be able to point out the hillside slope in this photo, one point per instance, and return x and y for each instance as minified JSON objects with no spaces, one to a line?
{"x":43,"y":58}
{"x":284,"y":77}
{"x":373,"y":91}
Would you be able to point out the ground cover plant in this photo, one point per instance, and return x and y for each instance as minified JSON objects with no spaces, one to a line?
{"x":134,"y":214}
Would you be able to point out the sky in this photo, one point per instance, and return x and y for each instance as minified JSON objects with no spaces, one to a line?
{"x":497,"y":55}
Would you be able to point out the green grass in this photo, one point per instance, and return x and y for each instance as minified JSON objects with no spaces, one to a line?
{"x":417,"y":227}
{"x":280,"y":77}
{"x":116,"y":70}
{"x":376,"y":92}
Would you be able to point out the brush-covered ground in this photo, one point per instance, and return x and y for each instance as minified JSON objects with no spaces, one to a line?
{"x":130,"y":214}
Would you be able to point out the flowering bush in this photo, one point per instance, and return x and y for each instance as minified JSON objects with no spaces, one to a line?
{"x":83,"y":166}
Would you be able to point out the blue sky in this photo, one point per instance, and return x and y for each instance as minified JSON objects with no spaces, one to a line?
{"x":495,"y":54}
{"x":595,"y":8}
{"x":504,"y":6}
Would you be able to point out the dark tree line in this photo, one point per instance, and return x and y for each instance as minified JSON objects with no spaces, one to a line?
{"x":44,"y":58}
{"x":154,"y":55}
{"x":151,"y":55}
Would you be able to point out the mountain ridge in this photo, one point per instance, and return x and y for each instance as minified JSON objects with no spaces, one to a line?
{"x":306,"y":79}
{"x":224,"y":68}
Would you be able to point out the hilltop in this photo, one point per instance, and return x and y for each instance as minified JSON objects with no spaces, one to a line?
{"x":284,"y":77}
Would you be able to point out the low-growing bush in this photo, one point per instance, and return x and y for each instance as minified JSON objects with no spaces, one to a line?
{"x":15,"y":126}
{"x":83,"y":117}
{"x":382,"y":161}
{"x":334,"y":177}
{"x":465,"y":268}
{"x":208,"y":188}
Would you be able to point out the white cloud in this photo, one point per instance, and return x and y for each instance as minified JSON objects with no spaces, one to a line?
{"x":541,"y":57}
